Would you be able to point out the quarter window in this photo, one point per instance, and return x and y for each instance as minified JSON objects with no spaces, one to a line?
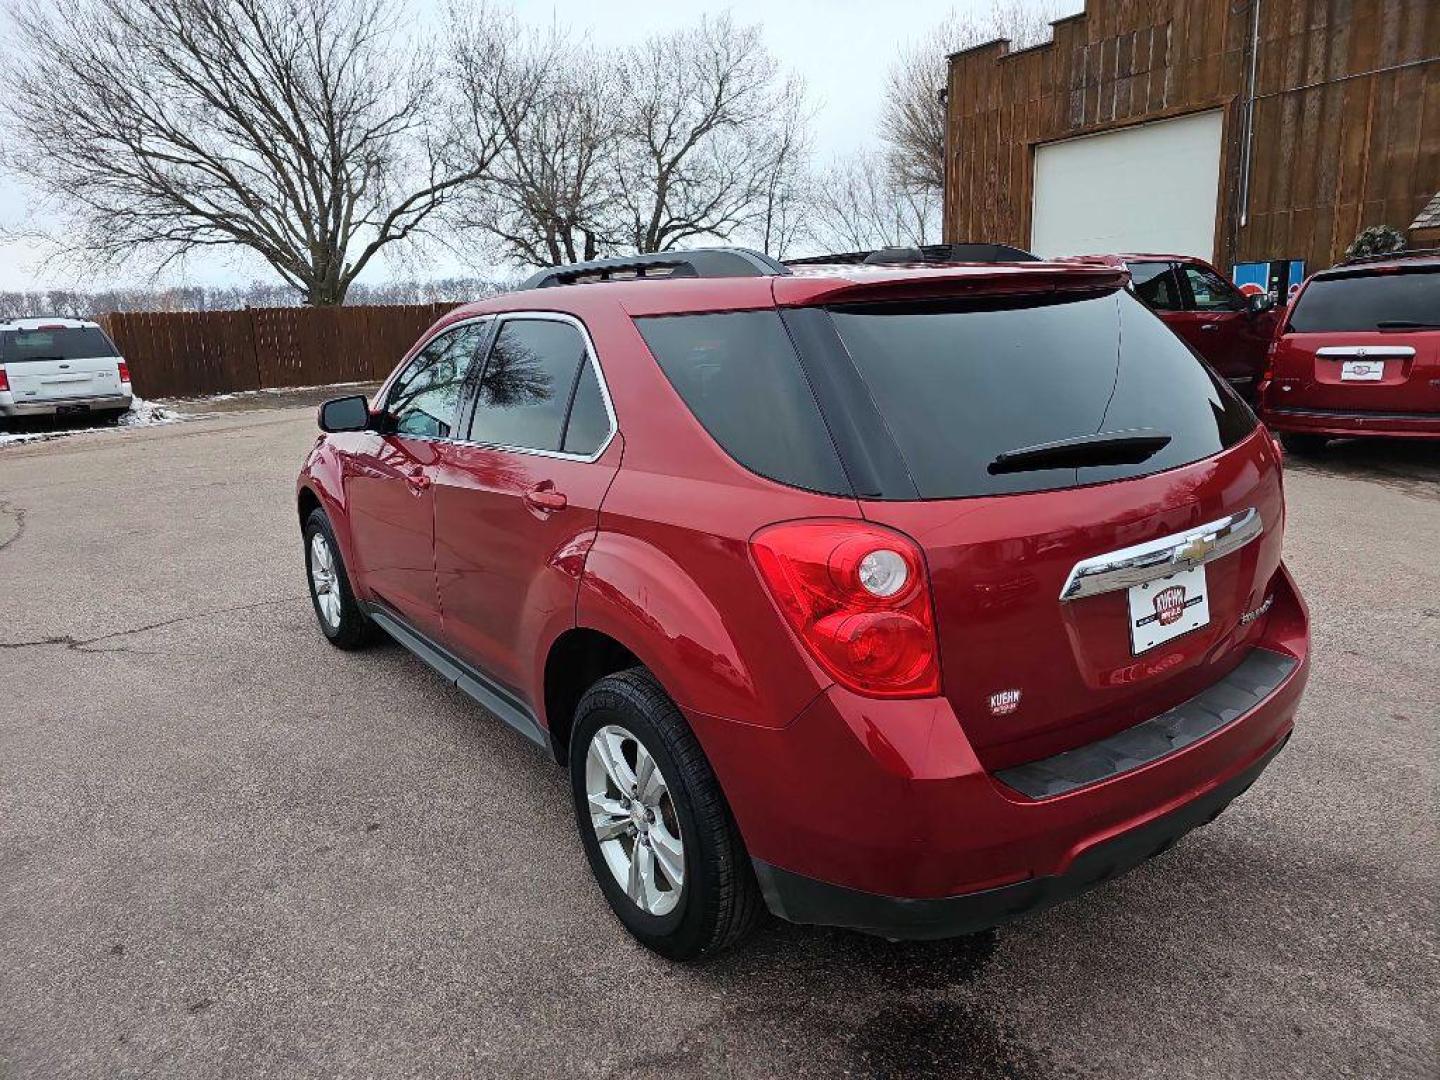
{"x":425,"y":400}
{"x":529,"y":381}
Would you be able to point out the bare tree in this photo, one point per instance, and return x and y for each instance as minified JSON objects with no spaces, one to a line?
{"x":859,"y":206}
{"x":306,"y":131}
{"x":550,"y":194}
{"x":706,"y":126}
{"x":912,"y":122}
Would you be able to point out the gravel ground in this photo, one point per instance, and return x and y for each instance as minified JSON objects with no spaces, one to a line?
{"x":229,"y":850}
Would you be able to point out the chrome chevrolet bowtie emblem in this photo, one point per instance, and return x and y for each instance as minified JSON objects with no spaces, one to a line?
{"x":1196,"y":551}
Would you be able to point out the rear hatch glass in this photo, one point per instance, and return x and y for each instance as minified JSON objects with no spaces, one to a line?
{"x":1397,"y":301}
{"x":54,"y":343}
{"x":961,"y":384}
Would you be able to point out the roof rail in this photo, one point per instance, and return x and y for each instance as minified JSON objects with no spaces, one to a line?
{"x":701,"y":263}
{"x":1409,"y":253}
{"x":926,"y":253}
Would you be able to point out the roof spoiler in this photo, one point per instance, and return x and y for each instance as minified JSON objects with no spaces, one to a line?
{"x":923,"y":254}
{"x":664,"y":265}
{"x":874,"y":285}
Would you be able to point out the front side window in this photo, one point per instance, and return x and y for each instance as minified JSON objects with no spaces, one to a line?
{"x":425,"y":400}
{"x":1211,"y":292}
{"x":55,"y":343}
{"x":529,"y":381}
{"x":1158,"y":284}
{"x":1404,"y":300}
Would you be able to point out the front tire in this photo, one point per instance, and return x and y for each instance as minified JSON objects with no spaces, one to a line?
{"x":655,"y":826}
{"x":341,"y":621}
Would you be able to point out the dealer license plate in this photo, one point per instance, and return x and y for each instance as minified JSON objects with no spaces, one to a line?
{"x":1362,"y":371}
{"x":1166,"y":608}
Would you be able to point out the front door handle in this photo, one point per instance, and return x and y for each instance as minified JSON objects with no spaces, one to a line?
{"x":546,"y":498}
{"x":418,"y":481}
{"x":1210,"y":326}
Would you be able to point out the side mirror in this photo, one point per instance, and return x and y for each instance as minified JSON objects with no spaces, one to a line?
{"x":1258,"y":303}
{"x":345,"y":414}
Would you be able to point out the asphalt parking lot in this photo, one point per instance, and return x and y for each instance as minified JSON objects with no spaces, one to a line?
{"x":227,"y":849}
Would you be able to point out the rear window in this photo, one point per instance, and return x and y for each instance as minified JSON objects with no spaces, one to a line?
{"x":960,"y":383}
{"x":739,"y":375}
{"x":1357,"y":302}
{"x":63,"y":343}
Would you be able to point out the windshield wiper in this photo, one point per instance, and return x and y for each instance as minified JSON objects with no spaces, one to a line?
{"x":1405,"y":324}
{"x":1104,"y":448}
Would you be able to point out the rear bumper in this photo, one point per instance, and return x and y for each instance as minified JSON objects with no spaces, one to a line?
{"x":879,"y":815}
{"x":1341,"y":424}
{"x":806,"y":900}
{"x":111,"y":402}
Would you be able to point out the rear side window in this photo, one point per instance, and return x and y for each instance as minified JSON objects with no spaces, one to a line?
{"x":1406,"y":299}
{"x":529,"y":380}
{"x":739,"y":375}
{"x":61,"y":343}
{"x":959,"y":383}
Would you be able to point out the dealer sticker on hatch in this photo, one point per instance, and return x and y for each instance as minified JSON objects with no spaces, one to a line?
{"x":1165,"y":609}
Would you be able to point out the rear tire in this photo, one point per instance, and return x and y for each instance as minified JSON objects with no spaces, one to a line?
{"x":341,"y":621}
{"x":1303,"y":445}
{"x":674,"y":802}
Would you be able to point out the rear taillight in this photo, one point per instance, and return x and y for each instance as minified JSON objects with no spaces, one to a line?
{"x":4,"y":380}
{"x":1269,"y":372}
{"x":124,"y":371}
{"x":858,"y":597}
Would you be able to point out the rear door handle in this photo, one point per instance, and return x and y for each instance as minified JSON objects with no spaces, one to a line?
{"x":546,"y":498}
{"x":1209,"y":326}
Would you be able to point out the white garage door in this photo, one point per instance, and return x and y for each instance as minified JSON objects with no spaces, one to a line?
{"x":1147,"y":188}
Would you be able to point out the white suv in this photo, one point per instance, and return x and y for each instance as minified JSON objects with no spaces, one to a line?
{"x":50,"y":366}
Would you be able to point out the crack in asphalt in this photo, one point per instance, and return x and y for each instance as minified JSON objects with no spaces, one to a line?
{"x":69,"y":641}
{"x":17,"y":515}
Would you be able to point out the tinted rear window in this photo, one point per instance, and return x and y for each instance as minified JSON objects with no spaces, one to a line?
{"x":65,"y":343}
{"x":1364,"y":301}
{"x":960,"y":383}
{"x":740,"y":376}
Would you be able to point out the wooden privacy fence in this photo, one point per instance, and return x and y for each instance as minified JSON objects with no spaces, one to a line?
{"x":194,"y":353}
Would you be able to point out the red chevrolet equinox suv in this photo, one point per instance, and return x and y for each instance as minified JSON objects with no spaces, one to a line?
{"x":905,"y":599}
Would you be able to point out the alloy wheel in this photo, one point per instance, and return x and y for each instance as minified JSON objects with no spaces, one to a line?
{"x":324,"y":580}
{"x":634,"y":818}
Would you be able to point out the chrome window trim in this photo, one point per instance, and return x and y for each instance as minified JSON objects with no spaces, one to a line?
{"x":1135,"y":565}
{"x":1366,"y":352}
{"x":543,"y":316}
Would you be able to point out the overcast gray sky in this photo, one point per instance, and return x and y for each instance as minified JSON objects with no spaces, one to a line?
{"x":841,"y":48}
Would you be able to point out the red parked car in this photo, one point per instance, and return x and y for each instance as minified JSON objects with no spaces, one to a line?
{"x":1230,"y":330}
{"x":1359,"y":354}
{"x":902,"y":599}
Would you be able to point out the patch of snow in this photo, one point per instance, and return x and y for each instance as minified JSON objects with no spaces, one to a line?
{"x":142,"y":414}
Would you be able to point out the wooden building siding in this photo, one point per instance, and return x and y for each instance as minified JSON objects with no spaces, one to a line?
{"x":1346,"y":114}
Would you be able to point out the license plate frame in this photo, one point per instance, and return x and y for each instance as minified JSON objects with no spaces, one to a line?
{"x":1362,"y":370}
{"x":1167,"y":608}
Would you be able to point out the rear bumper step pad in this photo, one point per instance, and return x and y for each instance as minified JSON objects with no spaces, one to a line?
{"x":1257,"y":677}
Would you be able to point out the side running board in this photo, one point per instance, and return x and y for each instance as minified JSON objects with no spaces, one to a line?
{"x":493,"y":697}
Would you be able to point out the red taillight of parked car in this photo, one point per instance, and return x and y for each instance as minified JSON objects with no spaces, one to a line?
{"x":858,"y":598}
{"x":4,"y":380}
{"x":124,"y":371}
